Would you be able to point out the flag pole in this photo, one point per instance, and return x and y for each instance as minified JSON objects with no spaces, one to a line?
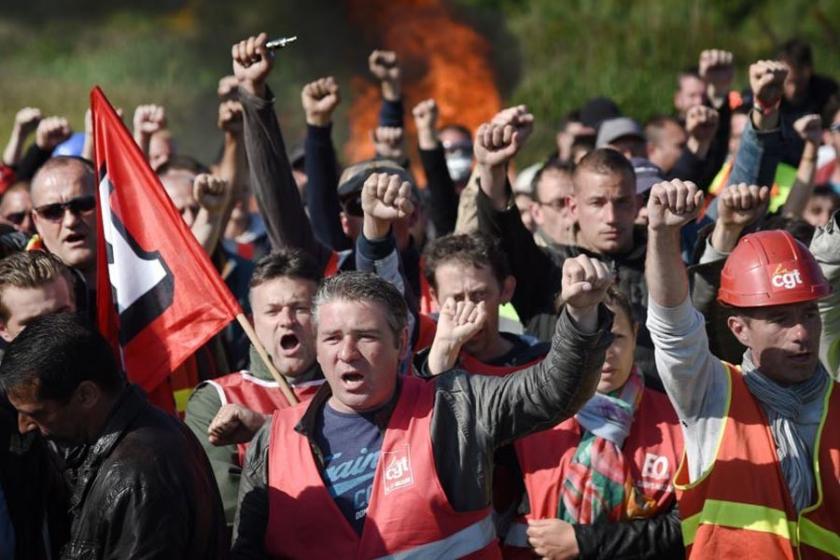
{"x":281,"y":381}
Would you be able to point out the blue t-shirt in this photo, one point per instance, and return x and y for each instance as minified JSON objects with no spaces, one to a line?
{"x":350,"y":444}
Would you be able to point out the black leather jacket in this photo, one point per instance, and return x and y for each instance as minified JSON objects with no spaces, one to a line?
{"x":144,"y":490}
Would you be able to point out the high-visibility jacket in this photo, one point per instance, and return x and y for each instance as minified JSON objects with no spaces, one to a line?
{"x":740,"y":505}
{"x":474,"y":365}
{"x":408,"y":515}
{"x":651,"y":451}
{"x":257,"y":394}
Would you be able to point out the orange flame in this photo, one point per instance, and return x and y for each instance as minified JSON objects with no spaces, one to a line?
{"x":440,"y":58}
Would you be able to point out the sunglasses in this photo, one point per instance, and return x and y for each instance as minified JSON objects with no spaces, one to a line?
{"x":16,"y":217}
{"x":55,"y":212}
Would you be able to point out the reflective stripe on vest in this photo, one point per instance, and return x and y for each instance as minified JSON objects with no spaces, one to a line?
{"x":822,"y":539}
{"x":739,"y":516}
{"x":466,"y":541}
{"x":760,"y":509}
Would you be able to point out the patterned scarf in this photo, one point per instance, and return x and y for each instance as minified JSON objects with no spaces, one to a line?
{"x":597,"y":481}
{"x":782,"y":406}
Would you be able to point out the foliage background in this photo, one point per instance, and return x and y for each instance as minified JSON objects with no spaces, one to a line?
{"x":550,"y":54}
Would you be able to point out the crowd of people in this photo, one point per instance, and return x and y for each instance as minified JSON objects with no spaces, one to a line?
{"x":626,"y":350}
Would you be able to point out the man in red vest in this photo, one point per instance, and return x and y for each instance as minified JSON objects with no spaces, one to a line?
{"x":760,"y":475}
{"x":378,"y":464}
{"x":281,"y":293}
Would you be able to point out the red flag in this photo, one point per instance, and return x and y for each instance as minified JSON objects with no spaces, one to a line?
{"x":159,"y":298}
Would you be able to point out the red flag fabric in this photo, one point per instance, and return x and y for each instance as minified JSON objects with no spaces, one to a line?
{"x":159,"y":298}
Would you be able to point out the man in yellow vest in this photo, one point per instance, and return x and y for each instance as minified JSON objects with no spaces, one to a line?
{"x":762,"y":461}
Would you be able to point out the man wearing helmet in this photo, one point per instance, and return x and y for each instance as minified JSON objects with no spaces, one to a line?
{"x":760,"y":473}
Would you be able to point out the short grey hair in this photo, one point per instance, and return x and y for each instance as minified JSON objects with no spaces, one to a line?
{"x":367,"y":288}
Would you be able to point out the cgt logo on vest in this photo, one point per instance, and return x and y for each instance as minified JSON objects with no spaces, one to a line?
{"x":784,"y":278}
{"x":398,"y":473}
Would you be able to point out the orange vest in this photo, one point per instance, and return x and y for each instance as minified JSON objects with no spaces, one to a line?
{"x":408,"y":515}
{"x":740,"y":505}
{"x":258,"y":394}
{"x":652,"y":451}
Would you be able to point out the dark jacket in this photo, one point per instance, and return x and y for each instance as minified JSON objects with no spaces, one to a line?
{"x":473,"y":415}
{"x":144,"y":490}
{"x":539,"y":274}
{"x":33,"y":490}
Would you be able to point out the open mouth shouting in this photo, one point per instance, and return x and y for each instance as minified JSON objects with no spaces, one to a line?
{"x":289,"y":343}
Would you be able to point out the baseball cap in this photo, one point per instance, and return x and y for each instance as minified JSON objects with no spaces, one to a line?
{"x":353,"y":178}
{"x":598,"y":110}
{"x":647,"y":174}
{"x":613,"y":129}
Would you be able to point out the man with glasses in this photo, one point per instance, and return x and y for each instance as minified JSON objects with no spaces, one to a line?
{"x":63,"y":211}
{"x":555,"y":223}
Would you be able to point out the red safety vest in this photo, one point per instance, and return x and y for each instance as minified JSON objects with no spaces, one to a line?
{"x":740,"y":506}
{"x":474,"y":365}
{"x":408,"y":514}
{"x":652,"y":452}
{"x":258,"y":394}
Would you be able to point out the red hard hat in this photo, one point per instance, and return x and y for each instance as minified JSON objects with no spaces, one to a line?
{"x":771,"y":268}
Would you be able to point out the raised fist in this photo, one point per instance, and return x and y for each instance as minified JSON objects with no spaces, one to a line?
{"x":227,"y":88}
{"x":585,"y":282}
{"x":673,"y":204}
{"x":809,"y":128}
{"x":252,"y":63}
{"x":230,"y":116}
{"x":425,"y":115}
{"x":386,"y":197}
{"x":495,"y":144}
{"x":767,"y":79}
{"x":211,"y":192}
{"x":388,"y":142}
{"x":320,"y":98}
{"x":148,"y":119}
{"x":701,"y":122}
{"x":27,"y":119}
{"x":742,"y":204}
{"x":717,"y":69}
{"x":384,"y":66}
{"x":51,"y":132}
{"x":519,"y":118}
{"x":234,"y":424}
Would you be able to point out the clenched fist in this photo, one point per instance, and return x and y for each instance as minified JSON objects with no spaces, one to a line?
{"x":230,"y":117}
{"x":252,"y":63}
{"x":148,"y":119}
{"x":495,"y":144}
{"x":234,"y":424}
{"x":385,"y":67}
{"x":319,"y":99}
{"x":518,"y":117}
{"x":809,"y":128}
{"x":673,"y":204}
{"x":27,"y":119}
{"x":211,"y":192}
{"x":385,"y":198}
{"x":584,"y":285}
{"x":51,"y":132}
{"x":701,"y":123}
{"x":717,"y":70}
{"x":425,"y":117}
{"x":767,"y":79}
